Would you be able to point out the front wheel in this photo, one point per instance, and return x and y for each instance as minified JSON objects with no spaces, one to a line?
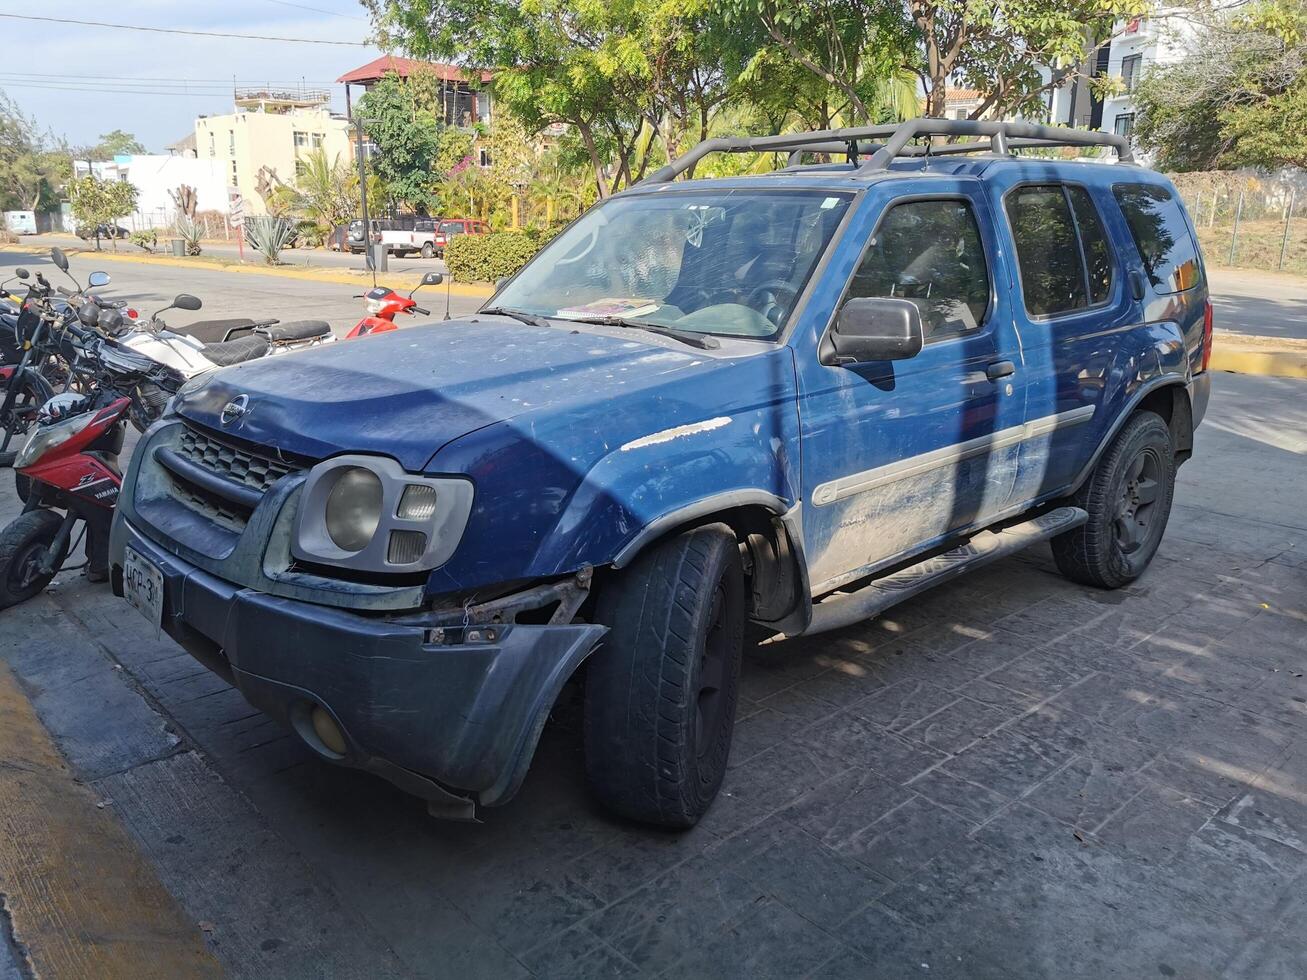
{"x":24,"y":548}
{"x":661,"y":693}
{"x":1128,"y":498}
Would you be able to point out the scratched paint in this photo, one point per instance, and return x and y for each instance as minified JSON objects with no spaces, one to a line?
{"x":676,"y":432}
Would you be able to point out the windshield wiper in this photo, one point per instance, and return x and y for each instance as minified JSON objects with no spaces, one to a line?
{"x":530,"y":318}
{"x":699,"y":340}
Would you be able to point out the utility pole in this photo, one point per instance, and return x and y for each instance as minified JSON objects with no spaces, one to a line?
{"x":363,"y":192}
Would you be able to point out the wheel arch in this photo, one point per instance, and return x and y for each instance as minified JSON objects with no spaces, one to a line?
{"x":770,"y":537}
{"x":1167,"y":396}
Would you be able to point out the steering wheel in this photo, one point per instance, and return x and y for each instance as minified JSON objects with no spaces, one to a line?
{"x":772,"y":299}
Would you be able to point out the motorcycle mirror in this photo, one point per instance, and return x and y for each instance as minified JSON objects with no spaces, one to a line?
{"x":88,"y":314}
{"x":21,"y":273}
{"x":98,"y":279}
{"x":58,"y":257}
{"x":432,"y":279}
{"x":185,"y":301}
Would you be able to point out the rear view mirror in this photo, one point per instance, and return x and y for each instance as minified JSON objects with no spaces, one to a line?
{"x":21,"y":273}
{"x":57,"y":256}
{"x":874,"y":328}
{"x":185,"y":301}
{"x":98,"y":279}
{"x":432,"y":279}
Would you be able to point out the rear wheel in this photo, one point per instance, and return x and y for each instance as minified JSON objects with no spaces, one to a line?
{"x":428,"y":250}
{"x":661,"y":692}
{"x":1128,"y":498}
{"x":24,"y":548}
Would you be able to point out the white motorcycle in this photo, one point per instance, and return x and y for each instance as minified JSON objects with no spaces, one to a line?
{"x":200,"y":347}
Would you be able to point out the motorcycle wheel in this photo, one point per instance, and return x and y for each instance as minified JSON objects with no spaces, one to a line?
{"x":33,"y":392}
{"x":24,"y":544}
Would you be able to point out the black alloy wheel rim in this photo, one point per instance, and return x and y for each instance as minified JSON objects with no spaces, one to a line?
{"x":26,"y":567}
{"x":1136,"y":506}
{"x":713,"y":664}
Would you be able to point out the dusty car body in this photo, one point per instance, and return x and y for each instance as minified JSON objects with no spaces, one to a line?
{"x":868,"y":377}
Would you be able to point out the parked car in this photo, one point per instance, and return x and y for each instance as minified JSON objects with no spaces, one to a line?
{"x":449,"y":227}
{"x":791,"y":400}
{"x":88,"y":232}
{"x":402,"y":234}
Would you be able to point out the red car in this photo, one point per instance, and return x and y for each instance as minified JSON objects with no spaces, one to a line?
{"x":449,"y":227}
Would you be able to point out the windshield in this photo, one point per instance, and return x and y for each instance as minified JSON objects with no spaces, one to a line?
{"x":722,"y":262}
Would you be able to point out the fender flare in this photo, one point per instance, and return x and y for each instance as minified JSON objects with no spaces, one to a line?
{"x":705,"y":507}
{"x":1150,"y":386}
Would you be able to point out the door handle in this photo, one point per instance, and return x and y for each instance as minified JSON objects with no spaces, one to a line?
{"x":1000,"y":369}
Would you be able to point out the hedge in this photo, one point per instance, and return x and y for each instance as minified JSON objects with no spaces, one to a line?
{"x":486,"y":258}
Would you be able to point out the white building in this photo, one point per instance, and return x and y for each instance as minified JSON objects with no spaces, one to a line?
{"x":157,"y":177}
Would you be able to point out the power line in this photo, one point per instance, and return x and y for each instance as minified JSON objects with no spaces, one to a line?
{"x":178,"y":30}
{"x":148,"y":78}
{"x":316,"y":10}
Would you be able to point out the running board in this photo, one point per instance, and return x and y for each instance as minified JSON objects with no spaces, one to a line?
{"x":845,"y":609}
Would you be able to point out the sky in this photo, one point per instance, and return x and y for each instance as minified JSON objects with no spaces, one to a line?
{"x":81,"y":81}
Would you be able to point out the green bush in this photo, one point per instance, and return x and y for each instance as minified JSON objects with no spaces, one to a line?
{"x":486,"y":258}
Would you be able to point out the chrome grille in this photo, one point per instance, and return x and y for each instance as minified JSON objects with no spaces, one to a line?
{"x":237,"y":465}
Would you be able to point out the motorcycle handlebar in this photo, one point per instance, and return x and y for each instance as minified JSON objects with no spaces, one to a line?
{"x":418,"y":309}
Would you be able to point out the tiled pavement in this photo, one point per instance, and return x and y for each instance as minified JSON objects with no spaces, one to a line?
{"x":1011,"y":776}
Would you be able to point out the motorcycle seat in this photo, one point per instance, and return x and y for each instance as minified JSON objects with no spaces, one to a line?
{"x":235,"y":351}
{"x":284,"y":333}
{"x":218,"y":331}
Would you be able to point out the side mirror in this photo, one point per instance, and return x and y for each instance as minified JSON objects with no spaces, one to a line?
{"x":432,"y":279}
{"x":1138,"y":287}
{"x":21,"y":273}
{"x":185,"y":301}
{"x":98,"y":279}
{"x":57,"y":256}
{"x":874,"y":328}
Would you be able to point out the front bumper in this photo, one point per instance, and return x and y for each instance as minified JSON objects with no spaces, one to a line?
{"x":454,"y":723}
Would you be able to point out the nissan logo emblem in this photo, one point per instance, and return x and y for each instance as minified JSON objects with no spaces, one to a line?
{"x":235,"y":410}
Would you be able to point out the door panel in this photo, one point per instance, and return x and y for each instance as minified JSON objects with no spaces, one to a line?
{"x":898,"y":454}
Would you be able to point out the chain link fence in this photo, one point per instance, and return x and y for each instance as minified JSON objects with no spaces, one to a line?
{"x":1247,"y":220}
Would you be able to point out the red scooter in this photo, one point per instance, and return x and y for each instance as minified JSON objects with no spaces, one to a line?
{"x":384,"y":304}
{"x":71,"y":465}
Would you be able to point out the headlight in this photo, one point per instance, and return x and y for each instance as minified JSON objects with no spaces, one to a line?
{"x":374,"y":306}
{"x":48,"y":437}
{"x":354,"y":508}
{"x":368,"y":513}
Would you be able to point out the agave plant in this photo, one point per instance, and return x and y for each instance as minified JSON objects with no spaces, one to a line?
{"x":190,"y":231}
{"x":269,"y":235}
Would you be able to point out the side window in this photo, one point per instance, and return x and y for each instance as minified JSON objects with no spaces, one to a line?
{"x":1052,"y":276}
{"x":929,"y":252}
{"x":1159,"y":230}
{"x":1098,"y":255}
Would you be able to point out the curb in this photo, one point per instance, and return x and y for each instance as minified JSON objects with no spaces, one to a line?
{"x":1260,"y":361}
{"x":308,"y":274}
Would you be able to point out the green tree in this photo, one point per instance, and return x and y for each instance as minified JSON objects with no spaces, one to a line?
{"x":99,"y":202}
{"x":406,"y":133}
{"x":325,"y":191}
{"x":33,"y":164}
{"x":1239,"y":96}
{"x":112,"y":144}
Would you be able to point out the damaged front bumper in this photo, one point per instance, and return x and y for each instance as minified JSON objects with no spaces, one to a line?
{"x":450,"y":713}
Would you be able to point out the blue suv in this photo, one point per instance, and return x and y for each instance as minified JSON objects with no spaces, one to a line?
{"x":790,"y":400}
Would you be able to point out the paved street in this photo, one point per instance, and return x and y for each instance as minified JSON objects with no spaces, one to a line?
{"x":1011,"y":776}
{"x":1265,"y":304}
{"x":226,"y":293}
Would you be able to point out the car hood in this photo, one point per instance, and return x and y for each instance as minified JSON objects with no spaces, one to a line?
{"x":407,"y":393}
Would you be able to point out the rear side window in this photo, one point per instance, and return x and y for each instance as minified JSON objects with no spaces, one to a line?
{"x":1062,"y":251}
{"x":929,"y":252}
{"x":1157,"y":224}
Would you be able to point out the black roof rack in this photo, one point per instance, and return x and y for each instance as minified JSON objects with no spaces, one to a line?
{"x":893,"y":141}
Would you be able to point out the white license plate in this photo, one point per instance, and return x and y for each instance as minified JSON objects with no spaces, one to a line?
{"x":143,"y":586}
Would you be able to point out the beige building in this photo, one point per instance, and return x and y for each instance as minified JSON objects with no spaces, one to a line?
{"x":268,"y":136}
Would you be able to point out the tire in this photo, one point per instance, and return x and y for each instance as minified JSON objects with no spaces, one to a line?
{"x":33,"y":392}
{"x":1128,"y":497}
{"x":20,"y":544}
{"x":661,"y":693}
{"x":428,"y":251}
